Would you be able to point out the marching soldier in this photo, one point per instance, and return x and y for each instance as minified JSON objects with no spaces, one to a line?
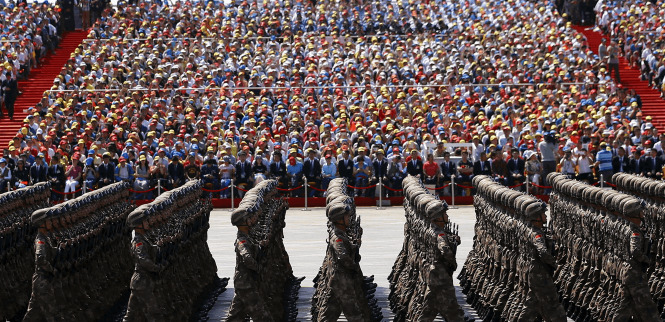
{"x":247,"y":300}
{"x":42,"y":301}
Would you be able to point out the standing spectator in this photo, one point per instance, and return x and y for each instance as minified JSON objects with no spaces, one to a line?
{"x":515,"y":168}
{"x":312,"y":170}
{"x":362,"y":172}
{"x":414,"y":166}
{"x":10,"y":91}
{"x":380,"y":170}
{"x":604,"y":163}
{"x":176,"y":172}
{"x":534,"y":169}
{"x":567,"y":164}
{"x":39,"y":170}
{"x":584,"y":170}
{"x":243,"y":173}
{"x":85,"y":13}
{"x":613,"y":60}
{"x":328,"y":171}
{"x":73,"y":175}
{"x":547,"y":148}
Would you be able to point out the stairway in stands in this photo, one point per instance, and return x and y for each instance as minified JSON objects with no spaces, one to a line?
{"x":652,"y":104}
{"x":40,"y":80}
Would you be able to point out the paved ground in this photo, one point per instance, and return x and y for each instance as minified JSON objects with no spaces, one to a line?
{"x":304,"y":238}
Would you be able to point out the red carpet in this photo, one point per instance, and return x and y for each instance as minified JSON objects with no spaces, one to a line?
{"x":630,"y":78}
{"x":40,"y":79}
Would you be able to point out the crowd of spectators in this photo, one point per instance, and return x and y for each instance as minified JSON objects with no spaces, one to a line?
{"x":303,"y":94}
{"x":27,"y":32}
{"x":637,"y":27}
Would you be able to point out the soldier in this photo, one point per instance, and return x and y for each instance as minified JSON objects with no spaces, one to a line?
{"x":142,"y":301}
{"x":42,"y":301}
{"x":440,"y":294}
{"x":247,"y":299}
{"x":345,"y":294}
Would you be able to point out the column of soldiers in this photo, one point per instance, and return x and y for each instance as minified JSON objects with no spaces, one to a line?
{"x":265,"y":288}
{"x":601,"y":253}
{"x":652,"y":192}
{"x":17,"y":236}
{"x":421,"y":284}
{"x":175,"y":275}
{"x":340,"y":284}
{"x":82,"y":259}
{"x":508,"y":273}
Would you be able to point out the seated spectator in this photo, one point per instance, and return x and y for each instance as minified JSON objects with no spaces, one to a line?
{"x":294,"y":171}
{"x":73,"y":175}
{"x":448,"y":171}
{"x":396,"y":172}
{"x":89,"y":175}
{"x":227,"y":172}
{"x":106,"y":171}
{"x":653,"y":165}
{"x":278,"y":170}
{"x":259,"y":168}
{"x":516,"y":167}
{"x":345,"y":167}
{"x":328,"y":171}
{"x":431,"y":171}
{"x":361,"y":173}
{"x":380,"y":171}
{"x":192,"y":167}
{"x":56,"y":175}
{"x":176,"y":172}
{"x":499,"y":167}
{"x":483,"y":166}
{"x":312,"y":171}
{"x":210,"y":175}
{"x":124,"y":171}
{"x":142,"y":178}
{"x":534,"y":170}
{"x":465,"y":172}
{"x":39,"y":170}
{"x":20,"y":175}
{"x":414,"y":166}
{"x":244,"y":176}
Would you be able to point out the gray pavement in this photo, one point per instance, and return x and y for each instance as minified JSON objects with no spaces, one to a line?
{"x":305,"y":240}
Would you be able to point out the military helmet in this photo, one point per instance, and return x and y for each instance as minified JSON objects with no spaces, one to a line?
{"x":337,"y":211}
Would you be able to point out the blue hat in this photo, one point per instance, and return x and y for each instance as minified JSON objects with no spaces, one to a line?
{"x":88,"y":161}
{"x":91,"y":151}
{"x":3,"y":160}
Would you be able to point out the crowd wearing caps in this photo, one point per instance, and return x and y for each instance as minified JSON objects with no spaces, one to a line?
{"x":637,"y":26}
{"x":288,"y":77}
{"x":27,"y":32}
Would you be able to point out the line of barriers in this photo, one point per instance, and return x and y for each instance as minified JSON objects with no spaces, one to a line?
{"x":159,"y":188}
